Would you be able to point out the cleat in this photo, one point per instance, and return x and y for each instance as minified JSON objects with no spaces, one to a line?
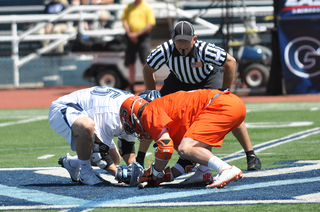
{"x":226,"y":176}
{"x":253,"y":163}
{"x":91,"y":178}
{"x":190,"y":168}
{"x":146,"y":176}
{"x":65,"y":163}
{"x":136,"y":173}
{"x":199,"y":177}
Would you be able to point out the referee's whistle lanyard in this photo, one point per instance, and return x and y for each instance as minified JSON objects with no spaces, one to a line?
{"x":227,"y":91}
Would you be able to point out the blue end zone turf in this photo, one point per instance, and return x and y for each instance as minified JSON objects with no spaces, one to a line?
{"x":37,"y":187}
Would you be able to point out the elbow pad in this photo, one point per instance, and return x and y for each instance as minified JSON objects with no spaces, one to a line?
{"x":164,"y":149}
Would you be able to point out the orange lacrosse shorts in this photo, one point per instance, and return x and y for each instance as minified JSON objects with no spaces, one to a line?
{"x":225,"y":113}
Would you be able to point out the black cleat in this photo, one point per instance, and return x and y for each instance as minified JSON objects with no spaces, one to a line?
{"x":253,"y":163}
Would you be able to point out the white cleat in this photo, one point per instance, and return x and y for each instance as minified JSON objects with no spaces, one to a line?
{"x":226,"y":176}
{"x":91,"y":178}
{"x":199,"y":177}
{"x":74,"y":172}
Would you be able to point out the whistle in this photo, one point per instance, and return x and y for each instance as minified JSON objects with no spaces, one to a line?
{"x":183,"y":52}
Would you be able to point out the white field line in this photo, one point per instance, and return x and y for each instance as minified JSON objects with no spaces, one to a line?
{"x":46,"y":156}
{"x":25,"y":121}
{"x":273,"y":143}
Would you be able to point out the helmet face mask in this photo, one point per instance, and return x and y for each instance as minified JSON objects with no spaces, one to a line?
{"x":130,"y":130}
{"x":129,"y":112}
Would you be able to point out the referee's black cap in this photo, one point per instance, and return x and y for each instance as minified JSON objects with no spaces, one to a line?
{"x":183,"y":30}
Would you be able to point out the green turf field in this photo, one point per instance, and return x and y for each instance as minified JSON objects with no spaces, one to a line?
{"x":28,"y":141}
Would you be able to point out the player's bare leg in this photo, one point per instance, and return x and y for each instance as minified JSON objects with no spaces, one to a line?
{"x":129,"y":158}
{"x":83,"y":130}
{"x":242,"y":136}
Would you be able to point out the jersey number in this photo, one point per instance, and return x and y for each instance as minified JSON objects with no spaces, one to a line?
{"x":104,"y":91}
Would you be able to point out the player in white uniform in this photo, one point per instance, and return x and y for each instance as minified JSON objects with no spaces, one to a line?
{"x":89,"y":120}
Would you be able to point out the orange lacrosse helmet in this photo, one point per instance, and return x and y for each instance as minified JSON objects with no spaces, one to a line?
{"x":130,"y":112}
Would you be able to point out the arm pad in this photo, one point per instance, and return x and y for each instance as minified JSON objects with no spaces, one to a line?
{"x":164,"y":149}
{"x":125,"y":147}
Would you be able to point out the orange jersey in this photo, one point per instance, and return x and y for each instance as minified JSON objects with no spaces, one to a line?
{"x":191,"y":114}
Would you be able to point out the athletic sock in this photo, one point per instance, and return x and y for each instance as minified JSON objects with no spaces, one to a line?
{"x":85,"y":166}
{"x":250,"y":154}
{"x":74,"y":161}
{"x":203,"y":168}
{"x":217,"y":164}
{"x":179,"y":168}
{"x":140,"y":158}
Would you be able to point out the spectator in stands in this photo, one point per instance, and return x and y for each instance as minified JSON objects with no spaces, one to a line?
{"x":103,"y":14}
{"x":75,"y":24}
{"x":55,"y":7}
{"x":138,"y":20}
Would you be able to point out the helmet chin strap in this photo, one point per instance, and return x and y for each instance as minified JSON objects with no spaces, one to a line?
{"x":128,"y":128}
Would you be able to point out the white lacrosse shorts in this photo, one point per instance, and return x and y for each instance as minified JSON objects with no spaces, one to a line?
{"x":62,"y":119}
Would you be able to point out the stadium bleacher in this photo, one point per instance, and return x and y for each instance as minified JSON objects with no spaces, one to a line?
{"x":19,"y":7}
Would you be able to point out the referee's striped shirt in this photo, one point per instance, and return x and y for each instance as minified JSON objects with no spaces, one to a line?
{"x":193,"y":68}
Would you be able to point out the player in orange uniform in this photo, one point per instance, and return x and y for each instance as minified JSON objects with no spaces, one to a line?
{"x":189,"y":122}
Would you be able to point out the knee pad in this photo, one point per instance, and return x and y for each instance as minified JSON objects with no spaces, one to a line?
{"x":164,"y":149}
{"x":125,"y":147}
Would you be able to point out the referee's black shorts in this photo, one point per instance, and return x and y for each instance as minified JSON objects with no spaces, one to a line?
{"x":172,"y":84}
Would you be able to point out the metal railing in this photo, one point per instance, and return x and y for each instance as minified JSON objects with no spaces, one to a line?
{"x":84,"y":13}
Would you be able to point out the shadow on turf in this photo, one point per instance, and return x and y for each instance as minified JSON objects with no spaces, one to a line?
{"x":174,"y":186}
{"x":66,"y":184}
{"x":62,"y":184}
{"x":120,"y":185}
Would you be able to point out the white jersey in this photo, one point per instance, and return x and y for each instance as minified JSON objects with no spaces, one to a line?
{"x":102,"y":104}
